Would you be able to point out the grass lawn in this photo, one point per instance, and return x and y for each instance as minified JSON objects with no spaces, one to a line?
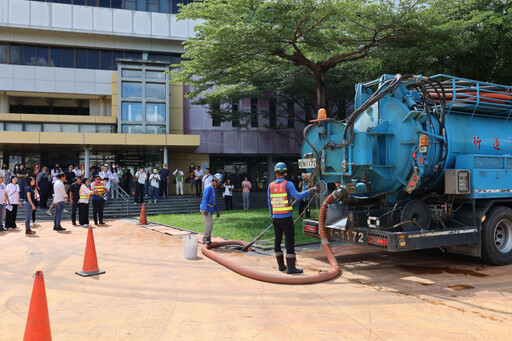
{"x":239,"y":225}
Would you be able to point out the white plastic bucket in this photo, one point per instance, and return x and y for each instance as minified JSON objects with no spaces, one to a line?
{"x":190,"y":247}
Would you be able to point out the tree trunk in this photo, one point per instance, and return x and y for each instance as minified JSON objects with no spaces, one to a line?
{"x":320,"y":89}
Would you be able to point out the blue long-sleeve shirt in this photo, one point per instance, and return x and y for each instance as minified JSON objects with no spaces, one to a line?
{"x":209,"y":201}
{"x":291,"y":191}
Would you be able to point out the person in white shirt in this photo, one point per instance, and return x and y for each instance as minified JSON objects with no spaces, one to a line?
{"x":83,"y":203}
{"x":13,"y":199}
{"x":178,"y":173}
{"x":60,"y":198}
{"x":140,"y":177}
{"x":228,"y":194}
{"x":154,"y":180}
{"x":55,"y":172}
{"x":107,"y":184}
{"x":77,"y":171}
{"x":207,"y":179}
{"x":3,"y":200}
{"x":198,"y":177}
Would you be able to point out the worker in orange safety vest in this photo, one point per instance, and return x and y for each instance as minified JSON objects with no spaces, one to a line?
{"x":280,"y":193}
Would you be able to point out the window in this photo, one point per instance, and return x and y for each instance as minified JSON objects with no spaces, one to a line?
{"x":164,"y":6}
{"x":29,"y":55}
{"x":117,"y":54}
{"x":79,"y":2}
{"x":155,"y":90}
{"x":130,"y":4}
{"x":106,"y":60}
{"x":155,"y":74}
{"x":68,"y":57}
{"x":3,"y":53}
{"x":70,"y":128}
{"x":175,"y":7}
{"x":155,"y":112}
{"x":153,"y":5}
{"x":131,"y":112}
{"x":141,"y":5}
{"x":15,"y":52}
{"x":35,"y":127}
{"x":155,"y":129}
{"x":254,"y":112}
{"x":93,"y":59}
{"x":103,"y":3}
{"x":92,"y":3}
{"x":235,"y":107}
{"x":117,"y":4}
{"x":290,"y":109}
{"x":215,"y":120}
{"x":51,"y":127}
{"x":14,"y":126}
{"x":42,"y":55}
{"x":81,"y":58}
{"x":131,"y":129}
{"x":129,"y":73}
{"x":131,"y":90}
{"x":56,"y":57}
{"x":272,"y":113}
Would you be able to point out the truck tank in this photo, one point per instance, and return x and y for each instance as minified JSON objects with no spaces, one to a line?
{"x":407,"y":131}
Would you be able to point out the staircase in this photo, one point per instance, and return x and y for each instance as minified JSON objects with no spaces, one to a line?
{"x":182,"y":204}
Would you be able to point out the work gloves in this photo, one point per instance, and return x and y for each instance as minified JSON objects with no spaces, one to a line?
{"x":218,"y":214}
{"x":204,"y":212}
{"x":313,"y":189}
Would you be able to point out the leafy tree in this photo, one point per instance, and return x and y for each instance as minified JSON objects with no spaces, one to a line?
{"x":290,"y":48}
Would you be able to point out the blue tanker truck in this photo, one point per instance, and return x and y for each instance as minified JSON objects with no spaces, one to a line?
{"x":423,"y":162}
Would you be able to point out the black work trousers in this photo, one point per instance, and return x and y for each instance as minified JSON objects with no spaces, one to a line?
{"x":10,"y":216}
{"x":74,"y":208}
{"x":83,"y":214}
{"x":199,"y":184}
{"x":97,"y":210}
{"x":286,"y":226}
{"x":44,"y":194}
{"x":163,"y":189}
{"x":139,"y":193}
{"x":228,"y":201}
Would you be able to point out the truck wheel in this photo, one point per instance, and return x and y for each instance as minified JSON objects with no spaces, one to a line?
{"x":497,"y":236}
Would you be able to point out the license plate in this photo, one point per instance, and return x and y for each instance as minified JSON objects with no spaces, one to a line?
{"x":307,"y":163}
{"x":353,"y":236}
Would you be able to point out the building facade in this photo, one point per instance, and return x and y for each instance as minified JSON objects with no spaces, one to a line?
{"x":83,"y":82}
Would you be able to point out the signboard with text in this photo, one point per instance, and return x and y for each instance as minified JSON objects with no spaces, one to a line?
{"x":130,"y":160}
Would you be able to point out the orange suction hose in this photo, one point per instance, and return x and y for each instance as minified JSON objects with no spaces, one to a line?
{"x":207,"y":250}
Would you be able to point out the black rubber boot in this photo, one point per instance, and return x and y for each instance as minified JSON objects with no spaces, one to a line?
{"x":290,"y":261}
{"x":280,"y":261}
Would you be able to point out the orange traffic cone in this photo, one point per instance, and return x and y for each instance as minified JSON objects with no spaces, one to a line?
{"x":143,"y":220}
{"x":38,"y":321}
{"x":90,"y":267}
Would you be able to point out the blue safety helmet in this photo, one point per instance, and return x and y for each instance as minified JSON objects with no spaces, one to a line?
{"x":218,"y":177}
{"x":280,"y":167}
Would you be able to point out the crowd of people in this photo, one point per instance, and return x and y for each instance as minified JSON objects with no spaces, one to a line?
{"x":71,"y":186}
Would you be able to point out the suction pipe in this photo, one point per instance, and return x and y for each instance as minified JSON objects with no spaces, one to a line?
{"x":334,"y":271}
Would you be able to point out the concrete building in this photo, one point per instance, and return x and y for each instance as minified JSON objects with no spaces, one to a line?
{"x":83,"y":82}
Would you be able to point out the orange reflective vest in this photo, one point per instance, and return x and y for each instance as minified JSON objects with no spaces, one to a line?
{"x":279,"y":198}
{"x":100,"y":188}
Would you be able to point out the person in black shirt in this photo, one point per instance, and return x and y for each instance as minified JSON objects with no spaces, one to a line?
{"x":74,"y":194}
{"x":70,"y":177}
{"x":44,"y":186}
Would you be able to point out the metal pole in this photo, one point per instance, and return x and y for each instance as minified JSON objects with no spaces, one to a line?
{"x":87,"y":161}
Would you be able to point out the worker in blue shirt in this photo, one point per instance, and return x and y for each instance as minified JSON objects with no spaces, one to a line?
{"x":280,"y":193}
{"x":209,"y":205}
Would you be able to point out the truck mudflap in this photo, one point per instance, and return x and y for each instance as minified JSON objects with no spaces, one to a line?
{"x":396,"y":241}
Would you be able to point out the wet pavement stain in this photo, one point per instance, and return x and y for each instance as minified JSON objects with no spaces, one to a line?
{"x":460,"y":287}
{"x":427,"y":270}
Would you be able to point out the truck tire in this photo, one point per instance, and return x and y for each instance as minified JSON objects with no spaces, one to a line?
{"x":497,"y":236}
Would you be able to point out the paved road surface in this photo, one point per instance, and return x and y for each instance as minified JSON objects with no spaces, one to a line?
{"x":151,"y":292}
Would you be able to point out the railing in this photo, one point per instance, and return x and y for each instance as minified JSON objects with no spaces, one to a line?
{"x":465,"y":96}
{"x":117,"y":192}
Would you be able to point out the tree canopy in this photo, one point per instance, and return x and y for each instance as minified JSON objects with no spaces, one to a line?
{"x":313,"y":51}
